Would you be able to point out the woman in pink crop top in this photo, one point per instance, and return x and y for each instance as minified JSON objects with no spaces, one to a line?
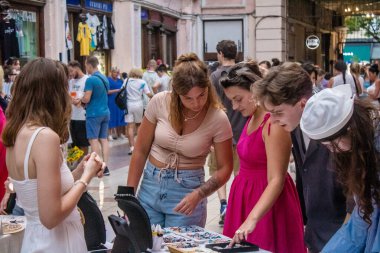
{"x":263,"y":206}
{"x":174,"y":139}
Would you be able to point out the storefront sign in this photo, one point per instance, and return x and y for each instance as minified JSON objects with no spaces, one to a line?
{"x":312,"y":42}
{"x":144,"y":14}
{"x":355,"y":52}
{"x":100,"y":6}
{"x":73,"y":2}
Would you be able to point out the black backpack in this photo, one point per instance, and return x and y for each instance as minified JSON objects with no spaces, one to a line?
{"x":121,"y":98}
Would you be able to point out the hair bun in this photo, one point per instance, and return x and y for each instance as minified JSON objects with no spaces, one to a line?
{"x":187,"y":57}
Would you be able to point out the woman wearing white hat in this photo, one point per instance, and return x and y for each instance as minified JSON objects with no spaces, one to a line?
{"x":346,"y":126}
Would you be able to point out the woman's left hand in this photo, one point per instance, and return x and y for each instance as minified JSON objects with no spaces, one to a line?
{"x":242,"y":233}
{"x":188,"y":203}
{"x":80,"y":166}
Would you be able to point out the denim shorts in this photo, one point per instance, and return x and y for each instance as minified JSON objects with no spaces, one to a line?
{"x":97,"y":127}
{"x":161,"y":190}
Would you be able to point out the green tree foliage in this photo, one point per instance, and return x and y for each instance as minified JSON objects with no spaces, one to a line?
{"x":370,"y":25}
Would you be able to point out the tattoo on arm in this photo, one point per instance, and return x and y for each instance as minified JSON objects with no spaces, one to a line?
{"x":208,"y":188}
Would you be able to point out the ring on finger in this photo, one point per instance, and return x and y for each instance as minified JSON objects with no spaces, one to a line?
{"x":238,"y":231}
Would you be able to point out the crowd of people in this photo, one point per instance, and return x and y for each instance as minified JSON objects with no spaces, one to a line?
{"x":249,"y":118}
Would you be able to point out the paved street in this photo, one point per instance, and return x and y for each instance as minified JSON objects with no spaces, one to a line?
{"x":103,"y":189}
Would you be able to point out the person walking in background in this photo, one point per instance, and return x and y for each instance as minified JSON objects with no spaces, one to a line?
{"x":174,"y":140}
{"x":4,"y":99}
{"x":47,"y":190}
{"x":341,"y":76}
{"x":355,"y":72}
{"x":284,"y":92}
{"x":263,"y":206}
{"x":97,"y":113}
{"x":163,"y":83}
{"x":136,"y":87}
{"x":351,"y":134}
{"x":226,"y":53}
{"x":150,"y":76}
{"x":116,"y":124}
{"x":78,"y":113}
{"x":374,"y":90}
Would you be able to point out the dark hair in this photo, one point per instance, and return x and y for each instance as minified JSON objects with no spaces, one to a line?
{"x":242,"y":74}
{"x":75,"y":64}
{"x":309,"y":68}
{"x":284,"y":84}
{"x":11,"y":61}
{"x":228,"y":48}
{"x":267,"y":63}
{"x":275,"y":62}
{"x":374,"y":69}
{"x":342,"y":67}
{"x":328,"y":76}
{"x":40,"y":98}
{"x":8,"y":71}
{"x":358,"y":169}
{"x":93,"y":61}
{"x":124,"y":75}
{"x":161,"y":68}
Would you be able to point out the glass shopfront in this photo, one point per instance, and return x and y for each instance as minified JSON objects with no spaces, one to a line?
{"x":21,"y":31}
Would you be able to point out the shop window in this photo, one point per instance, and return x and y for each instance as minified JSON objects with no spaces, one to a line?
{"x":26,"y":34}
{"x":212,"y":35}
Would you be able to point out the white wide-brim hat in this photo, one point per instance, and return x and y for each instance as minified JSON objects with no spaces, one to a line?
{"x":327,"y":112}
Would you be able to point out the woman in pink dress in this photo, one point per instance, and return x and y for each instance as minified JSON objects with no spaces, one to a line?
{"x":263,"y":206}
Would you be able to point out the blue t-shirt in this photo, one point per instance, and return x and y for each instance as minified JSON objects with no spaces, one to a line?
{"x":98,"y":105}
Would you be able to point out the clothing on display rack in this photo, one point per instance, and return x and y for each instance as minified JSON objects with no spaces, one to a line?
{"x":93,"y":22}
{"x":110,"y":33}
{"x":8,"y":39}
{"x":84,"y":38}
{"x":105,"y":32}
{"x":68,"y":39}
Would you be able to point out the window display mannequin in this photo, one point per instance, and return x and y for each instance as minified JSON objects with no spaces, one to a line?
{"x":84,"y":36}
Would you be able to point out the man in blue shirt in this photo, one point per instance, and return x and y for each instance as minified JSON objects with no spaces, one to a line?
{"x":97,"y":112}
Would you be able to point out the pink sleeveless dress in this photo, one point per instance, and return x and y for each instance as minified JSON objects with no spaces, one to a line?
{"x":281,"y":228}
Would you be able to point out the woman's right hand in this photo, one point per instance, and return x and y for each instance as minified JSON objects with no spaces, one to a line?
{"x":4,"y":203}
{"x":92,"y":167}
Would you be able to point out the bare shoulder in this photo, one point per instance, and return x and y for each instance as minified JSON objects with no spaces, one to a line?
{"x":275,"y":132}
{"x":47,"y":137}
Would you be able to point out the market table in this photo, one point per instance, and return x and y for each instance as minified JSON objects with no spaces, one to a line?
{"x":11,"y":243}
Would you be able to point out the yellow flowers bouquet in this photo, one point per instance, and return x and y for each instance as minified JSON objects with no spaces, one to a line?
{"x":74,"y":154}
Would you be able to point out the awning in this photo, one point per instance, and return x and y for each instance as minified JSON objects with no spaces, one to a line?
{"x":357,"y":52}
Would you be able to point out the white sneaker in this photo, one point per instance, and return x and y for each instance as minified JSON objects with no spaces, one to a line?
{"x":110,"y":138}
{"x":131,"y":150}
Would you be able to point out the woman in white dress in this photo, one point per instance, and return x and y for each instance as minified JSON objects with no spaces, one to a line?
{"x":374,"y":90}
{"x":38,"y":118}
{"x":341,"y":76}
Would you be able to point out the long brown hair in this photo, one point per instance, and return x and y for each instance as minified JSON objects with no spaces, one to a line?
{"x":189,"y":72}
{"x":359,"y":168}
{"x":40,"y":98}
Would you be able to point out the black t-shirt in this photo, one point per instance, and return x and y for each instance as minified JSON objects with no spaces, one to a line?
{"x":8,"y":39}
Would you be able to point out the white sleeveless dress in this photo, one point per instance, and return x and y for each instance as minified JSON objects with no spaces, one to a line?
{"x":68,"y":236}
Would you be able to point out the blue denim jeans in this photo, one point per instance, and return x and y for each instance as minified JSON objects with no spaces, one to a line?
{"x":162,"y":189}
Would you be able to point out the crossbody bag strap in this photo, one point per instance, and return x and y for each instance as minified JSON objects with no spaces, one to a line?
{"x":104,"y":83}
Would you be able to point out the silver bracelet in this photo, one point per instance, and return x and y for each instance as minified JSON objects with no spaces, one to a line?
{"x":81,"y":181}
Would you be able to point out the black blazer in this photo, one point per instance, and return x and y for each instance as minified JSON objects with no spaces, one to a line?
{"x":322,"y":200}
